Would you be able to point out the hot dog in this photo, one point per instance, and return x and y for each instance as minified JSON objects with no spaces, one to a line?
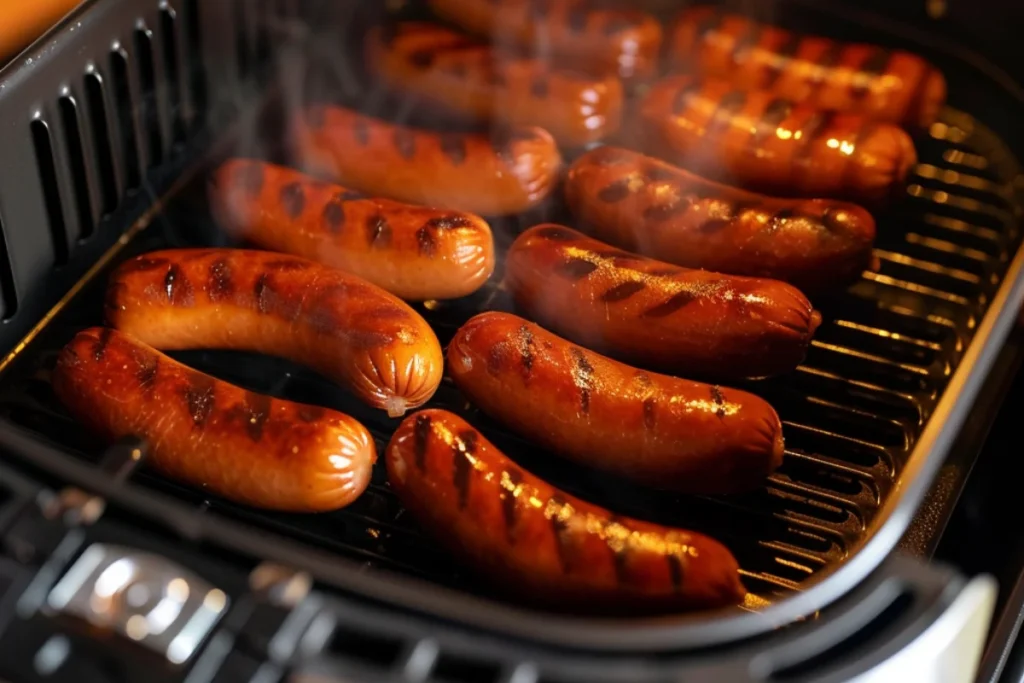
{"x":586,"y":36}
{"x":883,"y":84}
{"x":414,"y":252}
{"x":762,"y":142}
{"x":541,"y":543}
{"x":655,"y":315}
{"x":648,"y":206}
{"x":472,"y":79}
{"x":244,"y":446}
{"x":335,"y":323}
{"x":658,"y":430}
{"x":508,"y":172}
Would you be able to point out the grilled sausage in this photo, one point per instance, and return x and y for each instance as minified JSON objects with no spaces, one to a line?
{"x":244,"y":446}
{"x":511,"y":171}
{"x":541,"y":543}
{"x":585,"y":36}
{"x":411,"y":251}
{"x":470,"y":78}
{"x":658,"y":430}
{"x":883,"y":84}
{"x":652,"y":314}
{"x":648,"y":206}
{"x":335,"y":323}
{"x":774,"y":145}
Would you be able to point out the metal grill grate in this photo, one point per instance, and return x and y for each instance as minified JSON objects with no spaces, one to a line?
{"x":852,"y":412}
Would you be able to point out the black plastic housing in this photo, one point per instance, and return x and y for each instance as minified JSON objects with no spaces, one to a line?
{"x":178,"y":82}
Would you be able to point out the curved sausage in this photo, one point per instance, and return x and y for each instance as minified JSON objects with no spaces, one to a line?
{"x":658,"y":430}
{"x":247,"y":447}
{"x":335,"y":323}
{"x":414,"y":252}
{"x":511,"y":171}
{"x":876,"y":82}
{"x":545,"y":545}
{"x":598,"y":40}
{"x":649,"y":313}
{"x":470,"y":78}
{"x":650,"y":207}
{"x":755,"y":139}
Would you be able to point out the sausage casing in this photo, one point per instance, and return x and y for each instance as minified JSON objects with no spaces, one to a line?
{"x":445,"y":67}
{"x":333,"y":322}
{"x":877,"y":82}
{"x":688,"y":322}
{"x":658,"y":430}
{"x":414,"y":252}
{"x":541,"y":543}
{"x":241,"y":445}
{"x":508,"y":172}
{"x":598,"y":40}
{"x":760,"y":141}
{"x":651,"y":207}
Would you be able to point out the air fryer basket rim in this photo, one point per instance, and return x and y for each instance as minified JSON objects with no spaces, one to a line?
{"x":682,"y":631}
{"x":676,"y":631}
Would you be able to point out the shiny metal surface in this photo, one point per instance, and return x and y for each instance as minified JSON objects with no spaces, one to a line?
{"x":948,"y":652}
{"x":143,"y":597}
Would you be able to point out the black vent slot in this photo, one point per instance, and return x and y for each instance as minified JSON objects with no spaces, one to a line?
{"x":454,"y":669}
{"x":372,"y":648}
{"x":8,"y":293}
{"x":76,"y":157}
{"x":194,"y":59}
{"x":168,"y":35}
{"x":244,"y":54}
{"x":150,"y":111}
{"x":101,"y":137}
{"x":51,"y":192}
{"x":125,"y":107}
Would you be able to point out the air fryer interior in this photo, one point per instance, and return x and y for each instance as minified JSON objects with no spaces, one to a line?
{"x":867,"y":417}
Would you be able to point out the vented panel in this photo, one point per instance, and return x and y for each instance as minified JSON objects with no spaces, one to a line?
{"x":90,"y":123}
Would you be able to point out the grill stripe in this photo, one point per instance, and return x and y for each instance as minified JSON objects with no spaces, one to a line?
{"x":508,"y":502}
{"x":463,"y":447}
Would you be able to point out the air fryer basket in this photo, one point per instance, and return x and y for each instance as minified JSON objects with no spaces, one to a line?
{"x":868,"y":417}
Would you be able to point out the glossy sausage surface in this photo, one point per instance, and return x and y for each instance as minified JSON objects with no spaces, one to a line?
{"x":241,"y":445}
{"x":649,"y":313}
{"x":474,"y":80}
{"x":583,"y":35}
{"x":335,"y":323}
{"x":762,"y":142}
{"x":507,"y":172}
{"x":874,"y":81}
{"x":532,"y":539}
{"x":645,"y":205}
{"x":414,"y":252}
{"x":658,"y":430}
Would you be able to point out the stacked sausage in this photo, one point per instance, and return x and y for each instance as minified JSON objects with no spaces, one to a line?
{"x":695,"y":278}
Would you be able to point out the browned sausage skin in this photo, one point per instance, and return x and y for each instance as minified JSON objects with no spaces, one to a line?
{"x":247,"y":447}
{"x":475,"y":81}
{"x":338,"y":324}
{"x":645,"y":205}
{"x":414,"y":252}
{"x":598,"y":40}
{"x":883,"y":84}
{"x":508,"y":172}
{"x":543,"y":544}
{"x":762,"y":142}
{"x":658,"y":430}
{"x":688,"y":322}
